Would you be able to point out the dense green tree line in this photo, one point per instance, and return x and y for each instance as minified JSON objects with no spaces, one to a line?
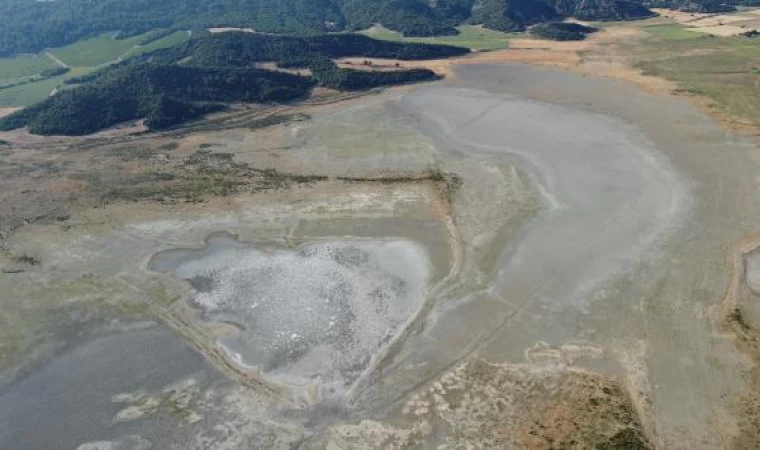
{"x":603,"y":9}
{"x":165,"y":95}
{"x":54,"y":72}
{"x":328,"y":74}
{"x":246,"y":49}
{"x":512,"y":15}
{"x":30,"y":25}
{"x":562,"y":31}
{"x":170,"y":86}
{"x":699,"y":6}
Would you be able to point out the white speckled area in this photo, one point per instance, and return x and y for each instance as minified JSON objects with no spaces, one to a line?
{"x":316,"y":313}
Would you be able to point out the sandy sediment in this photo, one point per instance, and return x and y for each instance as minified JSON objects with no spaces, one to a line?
{"x":7,"y":111}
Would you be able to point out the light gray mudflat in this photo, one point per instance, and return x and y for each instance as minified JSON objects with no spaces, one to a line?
{"x":315,"y":314}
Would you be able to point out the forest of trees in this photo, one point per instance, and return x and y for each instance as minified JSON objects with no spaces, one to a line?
{"x":700,"y":6}
{"x":328,"y":74}
{"x":31,"y":26}
{"x":512,"y":15}
{"x":205,"y":74}
{"x":165,"y":95}
{"x":246,"y":49}
{"x":562,"y":31}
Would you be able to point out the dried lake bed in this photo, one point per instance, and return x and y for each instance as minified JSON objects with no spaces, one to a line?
{"x":573,"y":255}
{"x":312,"y":315}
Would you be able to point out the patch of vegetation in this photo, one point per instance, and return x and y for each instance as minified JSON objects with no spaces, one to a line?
{"x":21,"y":66}
{"x":603,"y":10}
{"x":204,"y":174}
{"x":695,"y":6}
{"x":33,"y":26}
{"x":207,"y":158}
{"x":110,"y":187}
{"x":275,"y":119}
{"x":169,"y":146}
{"x":54,"y":72}
{"x":132,"y":152}
{"x":736,"y":317}
{"x":201,"y":76}
{"x":562,"y":31}
{"x":625,"y":439}
{"x":27,"y":259}
{"x":44,"y":75}
{"x":3,"y":142}
{"x":151,"y":36}
{"x":246,"y":49}
{"x":164,"y":95}
{"x":512,"y":15}
{"x":719,"y":68}
{"x":22,"y":82}
{"x":328,"y":74}
{"x":448,"y":183}
{"x":33,"y":90}
{"x":674,"y":32}
{"x":164,"y":41}
{"x":469,"y":36}
{"x":94,"y":51}
{"x":394,"y":179}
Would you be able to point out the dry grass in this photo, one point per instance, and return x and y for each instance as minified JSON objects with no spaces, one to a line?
{"x":7,"y":111}
{"x":724,"y":24}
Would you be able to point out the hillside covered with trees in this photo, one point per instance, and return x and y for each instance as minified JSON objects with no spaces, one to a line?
{"x":699,"y":6}
{"x":246,"y":49}
{"x":31,"y":26}
{"x":205,"y":74}
{"x":562,"y":31}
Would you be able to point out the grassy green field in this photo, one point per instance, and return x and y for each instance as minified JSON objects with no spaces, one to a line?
{"x":82,"y":57}
{"x":474,"y":37}
{"x":725,"y":69}
{"x":31,"y":93}
{"x":672,"y":32}
{"x":94,"y":51}
{"x":23,"y":66}
{"x":171,"y":40}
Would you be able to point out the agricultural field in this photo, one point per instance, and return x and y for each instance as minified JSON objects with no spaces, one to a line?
{"x":94,"y":51}
{"x":171,"y":40}
{"x":470,"y":36}
{"x":81,"y":57}
{"x":22,"y":66}
{"x":30,"y":93}
{"x":104,"y":48}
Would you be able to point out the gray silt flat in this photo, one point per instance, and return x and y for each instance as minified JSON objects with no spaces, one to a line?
{"x":67,"y":401}
{"x":640,"y":193}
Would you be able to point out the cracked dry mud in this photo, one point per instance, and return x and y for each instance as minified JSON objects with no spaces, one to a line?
{"x":519,"y":258}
